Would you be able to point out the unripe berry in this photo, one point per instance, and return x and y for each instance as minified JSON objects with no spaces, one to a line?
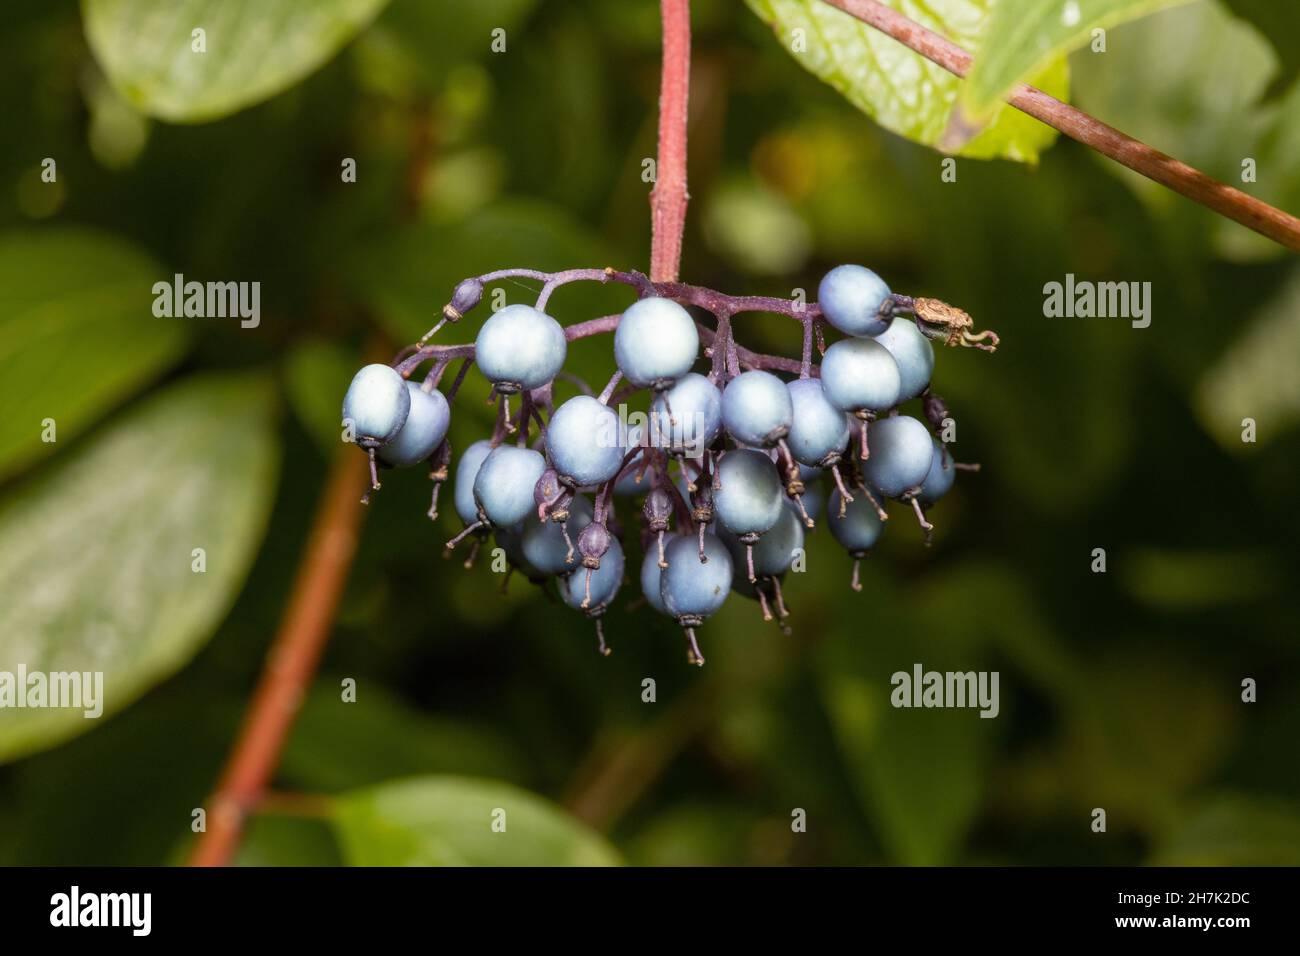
{"x":851,"y":298}
{"x":820,"y":431}
{"x":377,"y":403}
{"x":466,"y":295}
{"x":422,"y":432}
{"x":901,"y":453}
{"x":582,"y":439}
{"x":520,"y":348}
{"x":656,"y":343}
{"x":756,"y":409}
{"x":913,"y":353}
{"x":504,"y":484}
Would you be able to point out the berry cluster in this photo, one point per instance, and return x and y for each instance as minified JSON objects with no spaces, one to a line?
{"x":727,"y":465}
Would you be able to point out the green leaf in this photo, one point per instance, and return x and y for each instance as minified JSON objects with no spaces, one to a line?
{"x":1025,"y":36}
{"x":338,"y":745}
{"x":1257,"y":378}
{"x":920,"y":773}
{"x":1278,"y":22}
{"x":77,"y":334}
{"x":899,"y":89}
{"x":407,"y":275}
{"x":252,"y":49}
{"x":1235,"y":830}
{"x":316,"y":377}
{"x":96,"y":554}
{"x":449,"y":821}
{"x":419,"y":39}
{"x":1202,"y":74}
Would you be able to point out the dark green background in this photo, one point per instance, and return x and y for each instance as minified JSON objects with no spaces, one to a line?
{"x":1118,"y":690}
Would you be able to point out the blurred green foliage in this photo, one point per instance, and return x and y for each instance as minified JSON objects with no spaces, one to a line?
{"x":1119,"y":690}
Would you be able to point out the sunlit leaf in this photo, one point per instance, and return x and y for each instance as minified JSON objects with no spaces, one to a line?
{"x":899,"y":89}
{"x":1024,"y":36}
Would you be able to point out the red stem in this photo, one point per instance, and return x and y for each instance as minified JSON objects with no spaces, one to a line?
{"x":669,"y":197}
{"x":1236,"y":205}
{"x":290,"y":663}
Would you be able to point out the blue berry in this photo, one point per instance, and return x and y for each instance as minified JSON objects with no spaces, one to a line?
{"x":693,"y":590}
{"x":913,"y":353}
{"x":860,"y":527}
{"x":938,"y":480}
{"x":549,"y":545}
{"x":756,"y":409}
{"x":851,"y":298}
{"x":377,"y":403}
{"x":510,"y":540}
{"x":582,"y":440}
{"x":520,"y":348}
{"x":860,"y":375}
{"x":504,"y":484}
{"x":650,"y":574}
{"x":901,"y":453}
{"x":687,"y":417}
{"x":656,"y":343}
{"x":422,"y":432}
{"x":774,"y":552}
{"x":466,"y":471}
{"x":749,"y":499}
{"x":592,"y":589}
{"x":820,"y":431}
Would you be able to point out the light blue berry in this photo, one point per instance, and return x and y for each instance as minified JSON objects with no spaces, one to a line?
{"x":901,"y":453}
{"x":543,"y":541}
{"x":913,"y":353}
{"x":376,"y":404}
{"x":774,"y":552}
{"x":582,"y":439}
{"x":749,"y":498}
{"x":696,"y":406}
{"x":756,"y":409}
{"x":504,"y":484}
{"x":650,"y":573}
{"x":422,"y":432}
{"x":693,"y":590}
{"x":860,"y":375}
{"x":939,"y":479}
{"x":605,"y":581}
{"x":466,"y":471}
{"x":851,"y":298}
{"x":520,"y":348}
{"x":656,"y":343}
{"x":860,"y":527}
{"x":819,"y":432}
